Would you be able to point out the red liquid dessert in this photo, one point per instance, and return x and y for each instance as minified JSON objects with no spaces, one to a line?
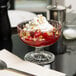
{"x":40,"y":36}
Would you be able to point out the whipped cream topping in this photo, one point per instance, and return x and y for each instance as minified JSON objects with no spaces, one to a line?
{"x":39,"y":22}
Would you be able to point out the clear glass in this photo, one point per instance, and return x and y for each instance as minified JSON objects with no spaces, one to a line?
{"x":40,"y":56}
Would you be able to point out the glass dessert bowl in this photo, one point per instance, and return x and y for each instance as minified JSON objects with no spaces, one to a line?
{"x":39,"y":33}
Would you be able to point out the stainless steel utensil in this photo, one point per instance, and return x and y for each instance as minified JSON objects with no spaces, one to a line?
{"x":58,"y":12}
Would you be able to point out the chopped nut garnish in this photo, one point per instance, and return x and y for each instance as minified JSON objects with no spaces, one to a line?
{"x":24,"y":37}
{"x":49,"y":33}
{"x":34,"y":39}
{"x":40,"y":37}
{"x":22,"y":34}
{"x":54,"y":29}
{"x":27,"y":34}
{"x":57,"y":33}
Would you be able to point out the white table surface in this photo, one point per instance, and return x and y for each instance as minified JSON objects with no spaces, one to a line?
{"x":14,"y":61}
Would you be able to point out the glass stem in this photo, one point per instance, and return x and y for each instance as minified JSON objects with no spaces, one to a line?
{"x":38,"y":49}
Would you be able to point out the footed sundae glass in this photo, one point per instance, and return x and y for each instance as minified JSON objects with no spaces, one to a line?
{"x":36,"y":34}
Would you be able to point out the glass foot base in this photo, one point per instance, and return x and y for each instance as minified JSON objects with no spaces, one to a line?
{"x":41,"y":58}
